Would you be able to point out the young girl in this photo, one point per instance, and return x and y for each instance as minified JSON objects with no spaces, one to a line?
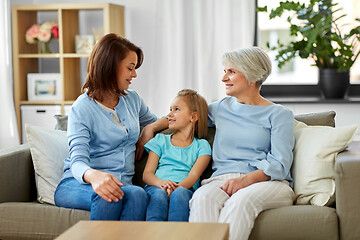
{"x":176,"y":161}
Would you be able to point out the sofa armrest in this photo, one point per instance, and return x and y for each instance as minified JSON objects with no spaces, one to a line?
{"x":347,"y":180}
{"x":16,"y":175}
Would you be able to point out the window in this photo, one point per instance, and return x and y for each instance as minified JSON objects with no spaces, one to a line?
{"x":298,"y":71}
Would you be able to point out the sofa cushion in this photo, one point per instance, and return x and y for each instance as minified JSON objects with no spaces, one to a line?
{"x":42,"y":221}
{"x":16,"y":171}
{"x":31,"y":220}
{"x":317,"y":119}
{"x":48,"y":150}
{"x":314,"y":158}
{"x":296,"y":222}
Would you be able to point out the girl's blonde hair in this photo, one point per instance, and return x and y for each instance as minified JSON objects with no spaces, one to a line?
{"x":196,"y":103}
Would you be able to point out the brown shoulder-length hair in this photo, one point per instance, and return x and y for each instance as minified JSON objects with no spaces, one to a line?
{"x":102,"y":66}
{"x":196,"y":103}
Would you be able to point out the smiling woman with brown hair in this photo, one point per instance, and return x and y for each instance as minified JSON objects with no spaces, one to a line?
{"x":103,"y":128}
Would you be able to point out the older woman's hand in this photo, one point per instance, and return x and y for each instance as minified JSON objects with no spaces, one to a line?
{"x":235,"y":184}
{"x":104,"y":184}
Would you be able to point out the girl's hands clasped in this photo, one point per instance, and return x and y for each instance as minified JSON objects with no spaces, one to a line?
{"x":104,"y":184}
{"x":169,"y":186}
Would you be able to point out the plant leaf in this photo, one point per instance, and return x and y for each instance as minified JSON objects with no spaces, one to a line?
{"x":261,"y":9}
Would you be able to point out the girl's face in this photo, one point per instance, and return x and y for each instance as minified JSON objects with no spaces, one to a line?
{"x":235,"y":82}
{"x":180,"y":116}
{"x":126,"y":70}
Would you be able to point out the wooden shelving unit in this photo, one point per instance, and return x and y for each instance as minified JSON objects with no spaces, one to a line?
{"x":26,"y":57}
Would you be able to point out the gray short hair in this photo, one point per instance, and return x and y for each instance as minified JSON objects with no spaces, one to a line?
{"x":253,"y":62}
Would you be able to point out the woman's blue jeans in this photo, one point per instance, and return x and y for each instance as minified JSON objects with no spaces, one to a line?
{"x":164,"y":208}
{"x":132,"y":207}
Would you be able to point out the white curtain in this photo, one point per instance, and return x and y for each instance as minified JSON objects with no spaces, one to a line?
{"x":8,"y":129}
{"x":185,"y":47}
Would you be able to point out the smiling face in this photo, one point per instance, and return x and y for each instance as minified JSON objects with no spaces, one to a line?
{"x":235,"y":82}
{"x":180,"y":116}
{"x":126,"y":70}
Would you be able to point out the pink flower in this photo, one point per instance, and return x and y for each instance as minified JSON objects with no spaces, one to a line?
{"x":32,"y":33}
{"x":55,"y":31}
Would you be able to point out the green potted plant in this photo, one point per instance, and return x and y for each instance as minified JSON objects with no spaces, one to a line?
{"x":317,"y":35}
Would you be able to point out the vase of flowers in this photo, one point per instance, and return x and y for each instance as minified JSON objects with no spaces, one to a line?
{"x":42,"y":34}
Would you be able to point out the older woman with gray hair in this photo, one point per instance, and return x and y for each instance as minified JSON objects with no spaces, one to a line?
{"x":252,"y":150}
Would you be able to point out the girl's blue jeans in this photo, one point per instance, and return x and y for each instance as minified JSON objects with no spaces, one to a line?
{"x":132,"y":207}
{"x":164,"y":208}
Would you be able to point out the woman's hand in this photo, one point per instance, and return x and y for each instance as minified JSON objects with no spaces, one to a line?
{"x":235,"y":184}
{"x":104,"y":184}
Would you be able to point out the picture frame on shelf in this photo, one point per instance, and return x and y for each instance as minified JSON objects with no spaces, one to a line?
{"x":84,"y":43}
{"x":44,"y":87}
